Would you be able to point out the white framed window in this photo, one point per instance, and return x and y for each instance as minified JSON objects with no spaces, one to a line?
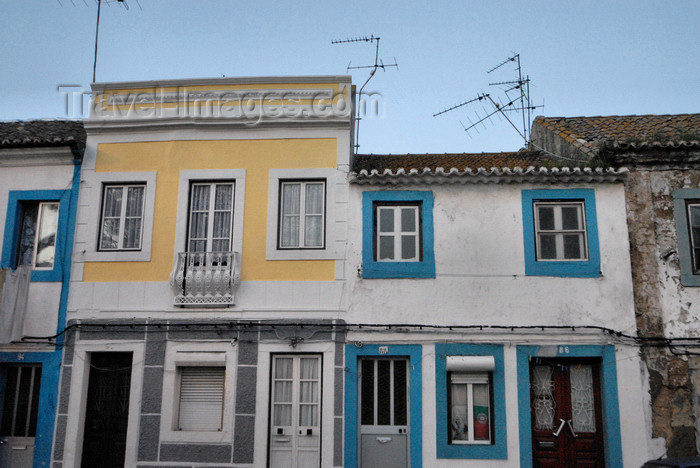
{"x":201,"y":398}
{"x":210,"y":216}
{"x":397,"y":230}
{"x":121,"y":225}
{"x":36,"y":245}
{"x":119,"y":209}
{"x":469,"y":399}
{"x":323,"y":217}
{"x":302,"y":214}
{"x":198,"y":392}
{"x":560,"y":230}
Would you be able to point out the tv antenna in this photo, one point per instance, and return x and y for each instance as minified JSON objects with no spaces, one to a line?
{"x":378,"y":63}
{"x":516,"y":99}
{"x":97,"y":27}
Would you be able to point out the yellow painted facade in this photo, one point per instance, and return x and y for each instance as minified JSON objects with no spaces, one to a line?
{"x":257,"y":157}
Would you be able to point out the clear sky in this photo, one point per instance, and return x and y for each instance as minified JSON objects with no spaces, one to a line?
{"x":584,"y":57}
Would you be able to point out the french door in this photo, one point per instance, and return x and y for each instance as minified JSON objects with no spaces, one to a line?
{"x":566,"y":415}
{"x":295,"y":411}
{"x":383,"y":413}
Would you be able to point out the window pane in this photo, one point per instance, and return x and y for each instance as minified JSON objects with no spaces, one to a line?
{"x":198,"y":225}
{"x":222,"y":224}
{"x":134,"y":201}
{"x":25,"y":250}
{"x":220,"y":245}
{"x":290,"y":231}
{"x":572,"y":246}
{"x":546,"y":217}
{"x":282,"y":415}
{"x":291,"y":199}
{"x":400,"y":393}
{"x":113,"y":201}
{"x":198,"y":246}
{"x":223,"y":197}
{"x":386,"y":220}
{"x":548,"y":247}
{"x":46,"y":248}
{"x":367,"y":393}
{"x":132,"y":233}
{"x":314,"y":198}
{"x":694,"y":211}
{"x":383,"y":393}
{"x":386,"y":248}
{"x":313,"y":231}
{"x":283,"y":368}
{"x":481,"y":411}
{"x":200,"y":197}
{"x":408,"y":247}
{"x":408,"y":219}
{"x":582,"y":406}
{"x":459,"y":427}
{"x":570,"y":217}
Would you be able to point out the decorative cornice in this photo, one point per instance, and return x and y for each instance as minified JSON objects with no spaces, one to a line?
{"x":36,"y":156}
{"x":488,"y":176}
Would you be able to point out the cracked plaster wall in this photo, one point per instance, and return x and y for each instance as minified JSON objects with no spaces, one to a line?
{"x":663,"y":306}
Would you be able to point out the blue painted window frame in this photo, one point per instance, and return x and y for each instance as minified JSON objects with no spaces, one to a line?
{"x":415,"y":398}
{"x":608,"y":389}
{"x":498,"y":450}
{"x":680,"y":199}
{"x":425,"y":268}
{"x":573,"y":268}
{"x":13,"y":226}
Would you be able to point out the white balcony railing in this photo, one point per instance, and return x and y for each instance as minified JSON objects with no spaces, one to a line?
{"x":204,"y":279}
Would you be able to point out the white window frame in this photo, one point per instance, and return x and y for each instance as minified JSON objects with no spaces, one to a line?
{"x":211,"y":210}
{"x":182,"y":354}
{"x":89,"y":223}
{"x":470,"y":370}
{"x":303,"y":213}
{"x":35,"y":242}
{"x":336,"y":201}
{"x":398,"y":233}
{"x":122,"y":215}
{"x":559,"y":232}
{"x":190,"y":176}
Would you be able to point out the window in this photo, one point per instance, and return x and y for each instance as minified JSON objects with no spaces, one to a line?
{"x":470,"y":396}
{"x":397,"y":234}
{"x":36,"y":228}
{"x":21,"y":401}
{"x":302,"y":214}
{"x":560,"y":233}
{"x":122,"y":217}
{"x":37,"y":235}
{"x":210,"y":217}
{"x":687,"y":216}
{"x":201,"y":398}
{"x":470,"y":408}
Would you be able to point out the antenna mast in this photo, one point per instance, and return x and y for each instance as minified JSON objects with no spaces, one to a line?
{"x":378,"y":63}
{"x":520,"y":103}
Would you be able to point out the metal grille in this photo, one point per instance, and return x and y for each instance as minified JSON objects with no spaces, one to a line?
{"x":21,"y":401}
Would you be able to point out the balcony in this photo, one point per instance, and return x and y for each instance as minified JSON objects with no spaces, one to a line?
{"x":204,"y":279}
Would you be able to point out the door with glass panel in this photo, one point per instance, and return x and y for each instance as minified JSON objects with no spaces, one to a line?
{"x":566,"y":414}
{"x":19,"y":415}
{"x":383,"y":413}
{"x":295,"y":411}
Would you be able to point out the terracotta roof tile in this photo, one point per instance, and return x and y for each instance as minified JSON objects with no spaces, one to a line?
{"x":593,"y":132}
{"x":21,"y":133}
{"x":460,"y":161}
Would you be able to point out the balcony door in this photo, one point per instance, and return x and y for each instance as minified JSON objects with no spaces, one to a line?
{"x":210,"y":217}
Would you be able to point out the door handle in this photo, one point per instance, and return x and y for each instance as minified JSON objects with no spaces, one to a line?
{"x":383,"y":440}
{"x":561,"y":426}
{"x":571,"y":426}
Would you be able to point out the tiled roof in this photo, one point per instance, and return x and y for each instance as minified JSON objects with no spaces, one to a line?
{"x":626,"y":131}
{"x":470,"y":168}
{"x":23,"y":133}
{"x":459,"y":161}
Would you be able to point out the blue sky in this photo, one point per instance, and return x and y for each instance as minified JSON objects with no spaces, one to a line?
{"x":583,"y":57}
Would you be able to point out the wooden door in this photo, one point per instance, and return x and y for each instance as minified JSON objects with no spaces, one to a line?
{"x":566,"y":415}
{"x":107,"y":412}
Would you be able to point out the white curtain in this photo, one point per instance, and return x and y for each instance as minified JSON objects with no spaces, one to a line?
{"x":110,"y":218}
{"x":313,"y":228}
{"x":291,"y":204}
{"x":199,"y":218}
{"x":14,"y":290}
{"x":134,"y":216}
{"x":308,"y":392}
{"x":283,"y":392}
